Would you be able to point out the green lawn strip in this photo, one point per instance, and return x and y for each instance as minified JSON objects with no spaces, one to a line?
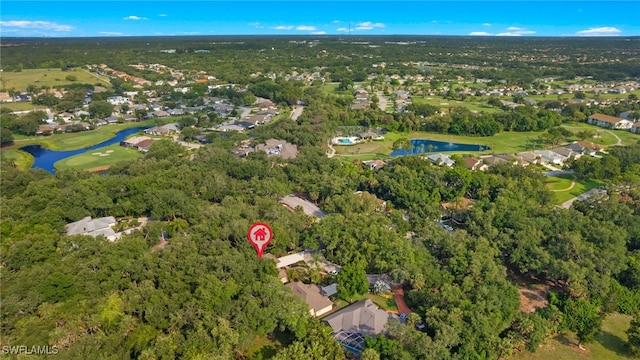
{"x":88,"y":160}
{"x":46,"y":77}
{"x":80,"y":140}
{"x":21,"y":159}
{"x":608,"y":344}
{"x":22,"y":106}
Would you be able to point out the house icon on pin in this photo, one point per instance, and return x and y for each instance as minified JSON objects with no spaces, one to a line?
{"x":260,"y":234}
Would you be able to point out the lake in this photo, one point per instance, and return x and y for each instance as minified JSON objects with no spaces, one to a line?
{"x":44,"y":158}
{"x":431,"y":146}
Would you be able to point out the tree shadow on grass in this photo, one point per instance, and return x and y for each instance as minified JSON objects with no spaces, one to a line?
{"x":612,"y":342}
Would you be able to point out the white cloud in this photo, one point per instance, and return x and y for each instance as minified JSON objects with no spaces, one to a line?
{"x":368,"y":25}
{"x":110,"y":33}
{"x":516,"y":31}
{"x":162,"y":15}
{"x":480,"y":33}
{"x":601,"y":31}
{"x":284,"y":27}
{"x":26,"y":24}
{"x":305,"y":28}
{"x":318,"y":33}
{"x":336,"y":21}
{"x":486,"y":24}
{"x":134,"y":17}
{"x":342,"y":29}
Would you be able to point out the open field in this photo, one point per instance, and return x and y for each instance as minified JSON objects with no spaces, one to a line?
{"x":73,"y":141}
{"x":105,"y":156}
{"x":608,"y":344}
{"x":388,"y":304}
{"x":445,"y":104}
{"x":606,"y":136}
{"x":22,"y":160}
{"x":47,"y":77}
{"x":561,"y":185}
{"x":22,"y":106}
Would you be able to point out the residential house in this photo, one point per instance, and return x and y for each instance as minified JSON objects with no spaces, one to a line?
{"x":309,"y":293}
{"x":309,"y":208}
{"x":550,"y":157}
{"x":609,"y":122}
{"x":529,"y":156}
{"x":450,"y":209}
{"x":370,"y":135}
{"x":584,"y":148}
{"x":374,"y":164}
{"x":567,"y":153}
{"x":167,"y":129}
{"x":636,"y":127}
{"x":93,"y":227}
{"x":281,"y":148}
{"x":441,"y":159}
{"x":474,"y":164}
{"x":352,"y":324}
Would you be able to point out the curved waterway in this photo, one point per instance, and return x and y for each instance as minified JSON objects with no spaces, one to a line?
{"x":44,"y":158}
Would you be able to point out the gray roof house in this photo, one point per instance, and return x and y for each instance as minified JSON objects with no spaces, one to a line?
{"x":310,"y":294}
{"x":351,"y":324}
{"x":441,"y":159}
{"x":281,"y":148}
{"x":87,"y":226}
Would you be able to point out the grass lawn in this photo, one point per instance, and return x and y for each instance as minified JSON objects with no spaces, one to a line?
{"x":22,"y":106}
{"x":21,"y":159}
{"x":563,"y":182}
{"x":445,"y":104}
{"x":93,"y":158}
{"x":73,"y":141}
{"x":265,"y":348}
{"x":608,"y":344}
{"x":385,"y":303}
{"x":47,"y":77}
{"x":606,"y":136}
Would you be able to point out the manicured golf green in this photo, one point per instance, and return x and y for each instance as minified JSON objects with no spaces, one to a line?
{"x":561,"y":185}
{"x":105,"y":156}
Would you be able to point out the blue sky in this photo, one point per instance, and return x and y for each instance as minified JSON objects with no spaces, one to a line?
{"x":152,"y":18}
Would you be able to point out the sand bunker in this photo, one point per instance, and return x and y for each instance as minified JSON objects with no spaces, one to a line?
{"x":104,"y":154}
{"x":96,"y":153}
{"x":108,"y":151}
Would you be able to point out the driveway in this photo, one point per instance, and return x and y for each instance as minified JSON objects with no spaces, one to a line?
{"x":382,"y":104}
{"x":296,"y":112}
{"x":398,"y":294}
{"x":567,"y":204}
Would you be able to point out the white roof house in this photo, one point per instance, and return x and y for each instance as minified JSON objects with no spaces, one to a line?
{"x":87,"y":226}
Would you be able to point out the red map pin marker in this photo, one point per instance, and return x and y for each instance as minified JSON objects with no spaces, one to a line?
{"x":260,"y":235}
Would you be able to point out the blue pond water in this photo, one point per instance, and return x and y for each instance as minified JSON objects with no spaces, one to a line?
{"x":422,"y":146}
{"x":44,"y":159}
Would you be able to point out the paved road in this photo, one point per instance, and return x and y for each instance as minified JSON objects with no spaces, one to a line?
{"x":296,"y":112}
{"x":586,"y":195}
